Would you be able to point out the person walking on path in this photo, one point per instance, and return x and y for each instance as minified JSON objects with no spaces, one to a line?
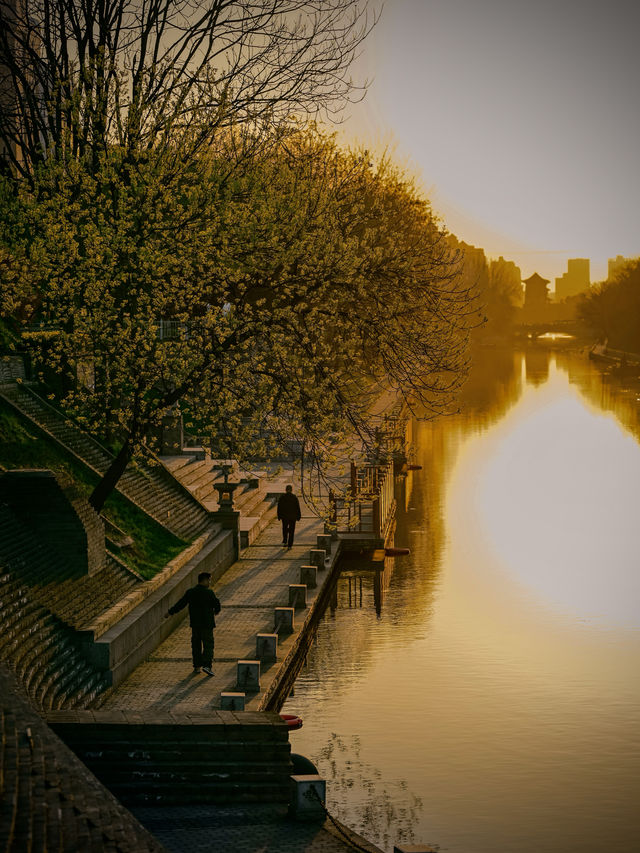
{"x":288,"y":513}
{"x":203,"y":606}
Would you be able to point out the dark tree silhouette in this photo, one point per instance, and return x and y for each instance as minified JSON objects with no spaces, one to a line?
{"x":79,"y":75}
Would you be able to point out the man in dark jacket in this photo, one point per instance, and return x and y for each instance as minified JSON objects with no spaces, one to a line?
{"x":203,"y":605}
{"x":288,"y":513}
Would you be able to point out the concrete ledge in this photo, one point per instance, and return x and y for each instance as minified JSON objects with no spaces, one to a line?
{"x":251,"y":526}
{"x":288,"y":668}
{"x":134,"y":636}
{"x":125,"y":605}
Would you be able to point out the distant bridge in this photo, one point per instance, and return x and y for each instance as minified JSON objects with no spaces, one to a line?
{"x":564,"y":327}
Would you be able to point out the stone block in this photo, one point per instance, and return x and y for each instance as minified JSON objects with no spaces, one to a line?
{"x":297,"y":596}
{"x":309,"y":576}
{"x":317,"y":557}
{"x":308,"y":797}
{"x":267,"y":647}
{"x":248,"y":675}
{"x":284,"y":622}
{"x":232,"y":701}
{"x":323,"y":541}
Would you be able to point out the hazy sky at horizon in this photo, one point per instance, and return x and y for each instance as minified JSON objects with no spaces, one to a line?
{"x":520,"y":119}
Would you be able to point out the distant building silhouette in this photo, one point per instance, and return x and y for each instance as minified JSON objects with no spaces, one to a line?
{"x":615,"y":264}
{"x":510,"y":278}
{"x":536,"y":299}
{"x":576,"y":279}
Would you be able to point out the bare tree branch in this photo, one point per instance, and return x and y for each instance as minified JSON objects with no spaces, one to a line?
{"x":79,"y":75}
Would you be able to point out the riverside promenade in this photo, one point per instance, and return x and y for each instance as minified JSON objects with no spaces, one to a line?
{"x":249,"y":591}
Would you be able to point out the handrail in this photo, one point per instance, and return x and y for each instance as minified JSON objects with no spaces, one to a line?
{"x":368,"y":507}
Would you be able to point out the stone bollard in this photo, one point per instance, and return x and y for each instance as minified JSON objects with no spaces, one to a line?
{"x":232,"y":701}
{"x":267,"y":647}
{"x":308,"y":797}
{"x":316,"y":557}
{"x":309,"y":576}
{"x":323,"y":540}
{"x":297,"y":596}
{"x":248,"y":677}
{"x":284,"y":622}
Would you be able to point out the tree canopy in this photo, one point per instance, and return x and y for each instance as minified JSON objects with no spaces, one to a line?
{"x":298,"y":286}
{"x":612,"y":309}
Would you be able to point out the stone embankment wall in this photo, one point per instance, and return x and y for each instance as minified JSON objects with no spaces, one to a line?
{"x":172,"y":759}
{"x":124,"y":636}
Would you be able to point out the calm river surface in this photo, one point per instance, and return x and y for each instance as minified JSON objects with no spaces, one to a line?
{"x":493,"y":705}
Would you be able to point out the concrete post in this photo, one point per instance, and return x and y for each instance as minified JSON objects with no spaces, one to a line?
{"x":232,"y":701}
{"x":229,"y":520}
{"x":267,"y":647}
{"x":283,"y":620}
{"x":316,"y":557}
{"x":309,"y":576}
{"x":323,"y":540}
{"x":297,"y":596}
{"x":376,"y":518}
{"x":308,"y":797}
{"x":248,"y":675}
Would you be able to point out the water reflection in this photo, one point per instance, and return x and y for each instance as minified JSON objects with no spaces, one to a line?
{"x":492,"y":689}
{"x":554,"y":502}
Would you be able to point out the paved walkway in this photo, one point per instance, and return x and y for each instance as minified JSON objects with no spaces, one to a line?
{"x":249,"y":591}
{"x":244,"y":829}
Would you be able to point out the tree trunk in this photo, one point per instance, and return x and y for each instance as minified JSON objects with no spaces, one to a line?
{"x":110,"y":479}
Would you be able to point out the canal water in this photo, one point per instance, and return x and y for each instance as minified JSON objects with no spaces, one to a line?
{"x":490,"y":703}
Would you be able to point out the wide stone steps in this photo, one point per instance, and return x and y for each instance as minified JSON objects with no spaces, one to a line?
{"x":185,"y":770}
{"x":36,"y":613}
{"x":192,"y":472}
{"x":200,"y":476}
{"x":44,"y":575}
{"x":149,"y":488}
{"x":42,"y":651}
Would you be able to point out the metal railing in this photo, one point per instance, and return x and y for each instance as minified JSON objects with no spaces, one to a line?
{"x":368,"y":507}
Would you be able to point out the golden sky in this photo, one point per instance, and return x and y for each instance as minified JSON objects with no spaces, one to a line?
{"x":520,"y":119}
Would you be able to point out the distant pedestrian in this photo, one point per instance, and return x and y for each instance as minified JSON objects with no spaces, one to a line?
{"x":288,"y":513}
{"x":203,"y":606}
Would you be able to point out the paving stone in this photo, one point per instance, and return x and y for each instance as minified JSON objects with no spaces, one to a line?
{"x":259,"y":829}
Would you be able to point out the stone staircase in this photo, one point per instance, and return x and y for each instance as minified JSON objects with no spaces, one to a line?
{"x":41,"y":608}
{"x":43,"y":651}
{"x":254,"y":498}
{"x":11,"y":368}
{"x":151,"y":487}
{"x":75,"y":600}
{"x":172,"y":759}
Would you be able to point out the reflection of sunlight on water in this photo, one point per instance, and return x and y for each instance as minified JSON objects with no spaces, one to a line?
{"x":556,"y":494}
{"x":556,"y":336}
{"x":485,"y":709}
